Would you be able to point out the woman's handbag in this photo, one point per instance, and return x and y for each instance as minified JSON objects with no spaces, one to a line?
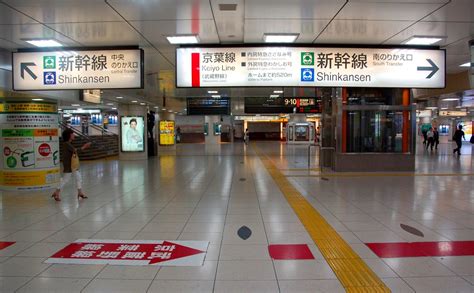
{"x":75,"y":162}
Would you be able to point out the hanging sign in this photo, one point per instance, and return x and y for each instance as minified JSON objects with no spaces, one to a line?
{"x":78,"y":69}
{"x":310,"y":66}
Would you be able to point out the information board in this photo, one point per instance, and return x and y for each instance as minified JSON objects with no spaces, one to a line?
{"x":30,"y":146}
{"x":401,"y":67}
{"x":208,"y":106}
{"x":78,"y":69}
{"x":280,"y":105}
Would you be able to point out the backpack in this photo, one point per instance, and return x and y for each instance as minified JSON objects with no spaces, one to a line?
{"x":472,"y":139}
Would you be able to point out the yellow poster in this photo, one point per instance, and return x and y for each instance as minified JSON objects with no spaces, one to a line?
{"x":166,"y":132}
{"x":26,"y":107}
{"x":30,"y":180}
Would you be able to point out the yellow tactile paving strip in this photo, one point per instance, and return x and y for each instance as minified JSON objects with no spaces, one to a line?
{"x":350,"y":269}
{"x":383,"y":175}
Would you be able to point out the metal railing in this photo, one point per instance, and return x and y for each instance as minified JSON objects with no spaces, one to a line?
{"x":63,"y":126}
{"x":102,"y":130}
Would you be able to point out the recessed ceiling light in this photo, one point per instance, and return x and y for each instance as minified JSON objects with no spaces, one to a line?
{"x":134,"y":101}
{"x":421,"y":40}
{"x":458,"y":107}
{"x":183,"y":39}
{"x":164,"y":109}
{"x":280,"y":38}
{"x":42,"y":43}
{"x":156,"y":107}
{"x":212,"y":92}
{"x":432,"y":108}
{"x":215,"y":96}
{"x":450,"y":99}
{"x":444,"y":108}
{"x":79,"y":109}
{"x":143,"y":104}
{"x":37,"y":99}
{"x":75,"y":105}
{"x":467,"y":64}
{"x":278,"y":92}
{"x":274,"y":96}
{"x":110,"y":104}
{"x":119,"y":97}
{"x":171,"y":111}
{"x":60,"y":109}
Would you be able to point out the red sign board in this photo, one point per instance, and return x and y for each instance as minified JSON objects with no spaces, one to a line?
{"x":132,"y":252}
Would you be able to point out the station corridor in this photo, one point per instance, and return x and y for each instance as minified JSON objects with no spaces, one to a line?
{"x":209,"y":193}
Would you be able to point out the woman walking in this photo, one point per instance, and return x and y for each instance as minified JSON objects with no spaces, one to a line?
{"x":71,"y":165}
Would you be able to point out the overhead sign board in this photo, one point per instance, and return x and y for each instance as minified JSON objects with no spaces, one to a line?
{"x":452,"y":113}
{"x":310,"y":66}
{"x":78,"y":69}
{"x":132,"y":252}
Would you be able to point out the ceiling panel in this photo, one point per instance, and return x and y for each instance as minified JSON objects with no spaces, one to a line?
{"x":163,"y":9}
{"x":454,"y":31}
{"x":360,"y":31}
{"x":8,"y":45}
{"x":230,"y":24}
{"x":386,"y":11}
{"x":460,"y":47}
{"x":307,"y":28}
{"x":18,"y":33}
{"x":457,"y":10}
{"x":101,"y":33}
{"x":57,"y":11}
{"x":156,"y":31}
{"x":10,"y":16}
{"x":296,"y":9}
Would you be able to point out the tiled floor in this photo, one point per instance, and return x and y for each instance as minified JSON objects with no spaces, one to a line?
{"x":200,"y":194}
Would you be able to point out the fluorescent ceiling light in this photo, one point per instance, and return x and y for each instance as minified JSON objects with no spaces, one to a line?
{"x":171,"y":111}
{"x":44,"y":43}
{"x":143,"y":104}
{"x":278,"y":92}
{"x":280,"y":38}
{"x":60,"y":109}
{"x":75,"y":105}
{"x":444,"y":108}
{"x":183,"y":39}
{"x":156,"y":107}
{"x":110,"y":104}
{"x":164,"y":109}
{"x":37,"y":99}
{"x":212,"y":92}
{"x":274,"y":96}
{"x":79,"y":109}
{"x":467,"y":64}
{"x":431,"y":108}
{"x":134,"y":101}
{"x":119,"y":97}
{"x":215,"y":96}
{"x":114,"y":108}
{"x":450,"y":99}
{"x":419,"y":40}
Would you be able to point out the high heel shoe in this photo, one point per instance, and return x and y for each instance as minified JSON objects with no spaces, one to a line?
{"x":81,"y":195}
{"x":56,"y":196}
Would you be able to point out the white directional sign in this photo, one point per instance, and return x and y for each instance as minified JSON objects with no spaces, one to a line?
{"x":310,"y":66}
{"x":78,"y":69}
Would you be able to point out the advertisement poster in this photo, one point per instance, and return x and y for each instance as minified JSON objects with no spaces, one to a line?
{"x":132,"y":133}
{"x":30,"y":146}
{"x":166,"y":132}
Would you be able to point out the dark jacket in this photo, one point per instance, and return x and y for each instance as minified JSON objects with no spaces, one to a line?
{"x":69,"y":150}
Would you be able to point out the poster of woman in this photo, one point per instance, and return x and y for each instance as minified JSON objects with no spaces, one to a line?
{"x":132,"y":133}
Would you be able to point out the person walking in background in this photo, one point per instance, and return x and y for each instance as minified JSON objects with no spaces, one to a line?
{"x":457,"y":137}
{"x":425,"y":138}
{"x":430,"y":136}
{"x":71,"y":165}
{"x":436,"y":137}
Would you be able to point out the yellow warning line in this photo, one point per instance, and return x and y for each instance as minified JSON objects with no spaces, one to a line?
{"x":383,"y":175}
{"x":350,"y":269}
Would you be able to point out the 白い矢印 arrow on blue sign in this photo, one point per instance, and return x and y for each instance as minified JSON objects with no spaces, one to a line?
{"x":24,"y":67}
{"x":433,"y":68}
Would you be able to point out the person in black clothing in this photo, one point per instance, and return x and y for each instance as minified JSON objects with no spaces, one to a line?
{"x":436,"y":137}
{"x":457,"y":137}
{"x":425,"y":137}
